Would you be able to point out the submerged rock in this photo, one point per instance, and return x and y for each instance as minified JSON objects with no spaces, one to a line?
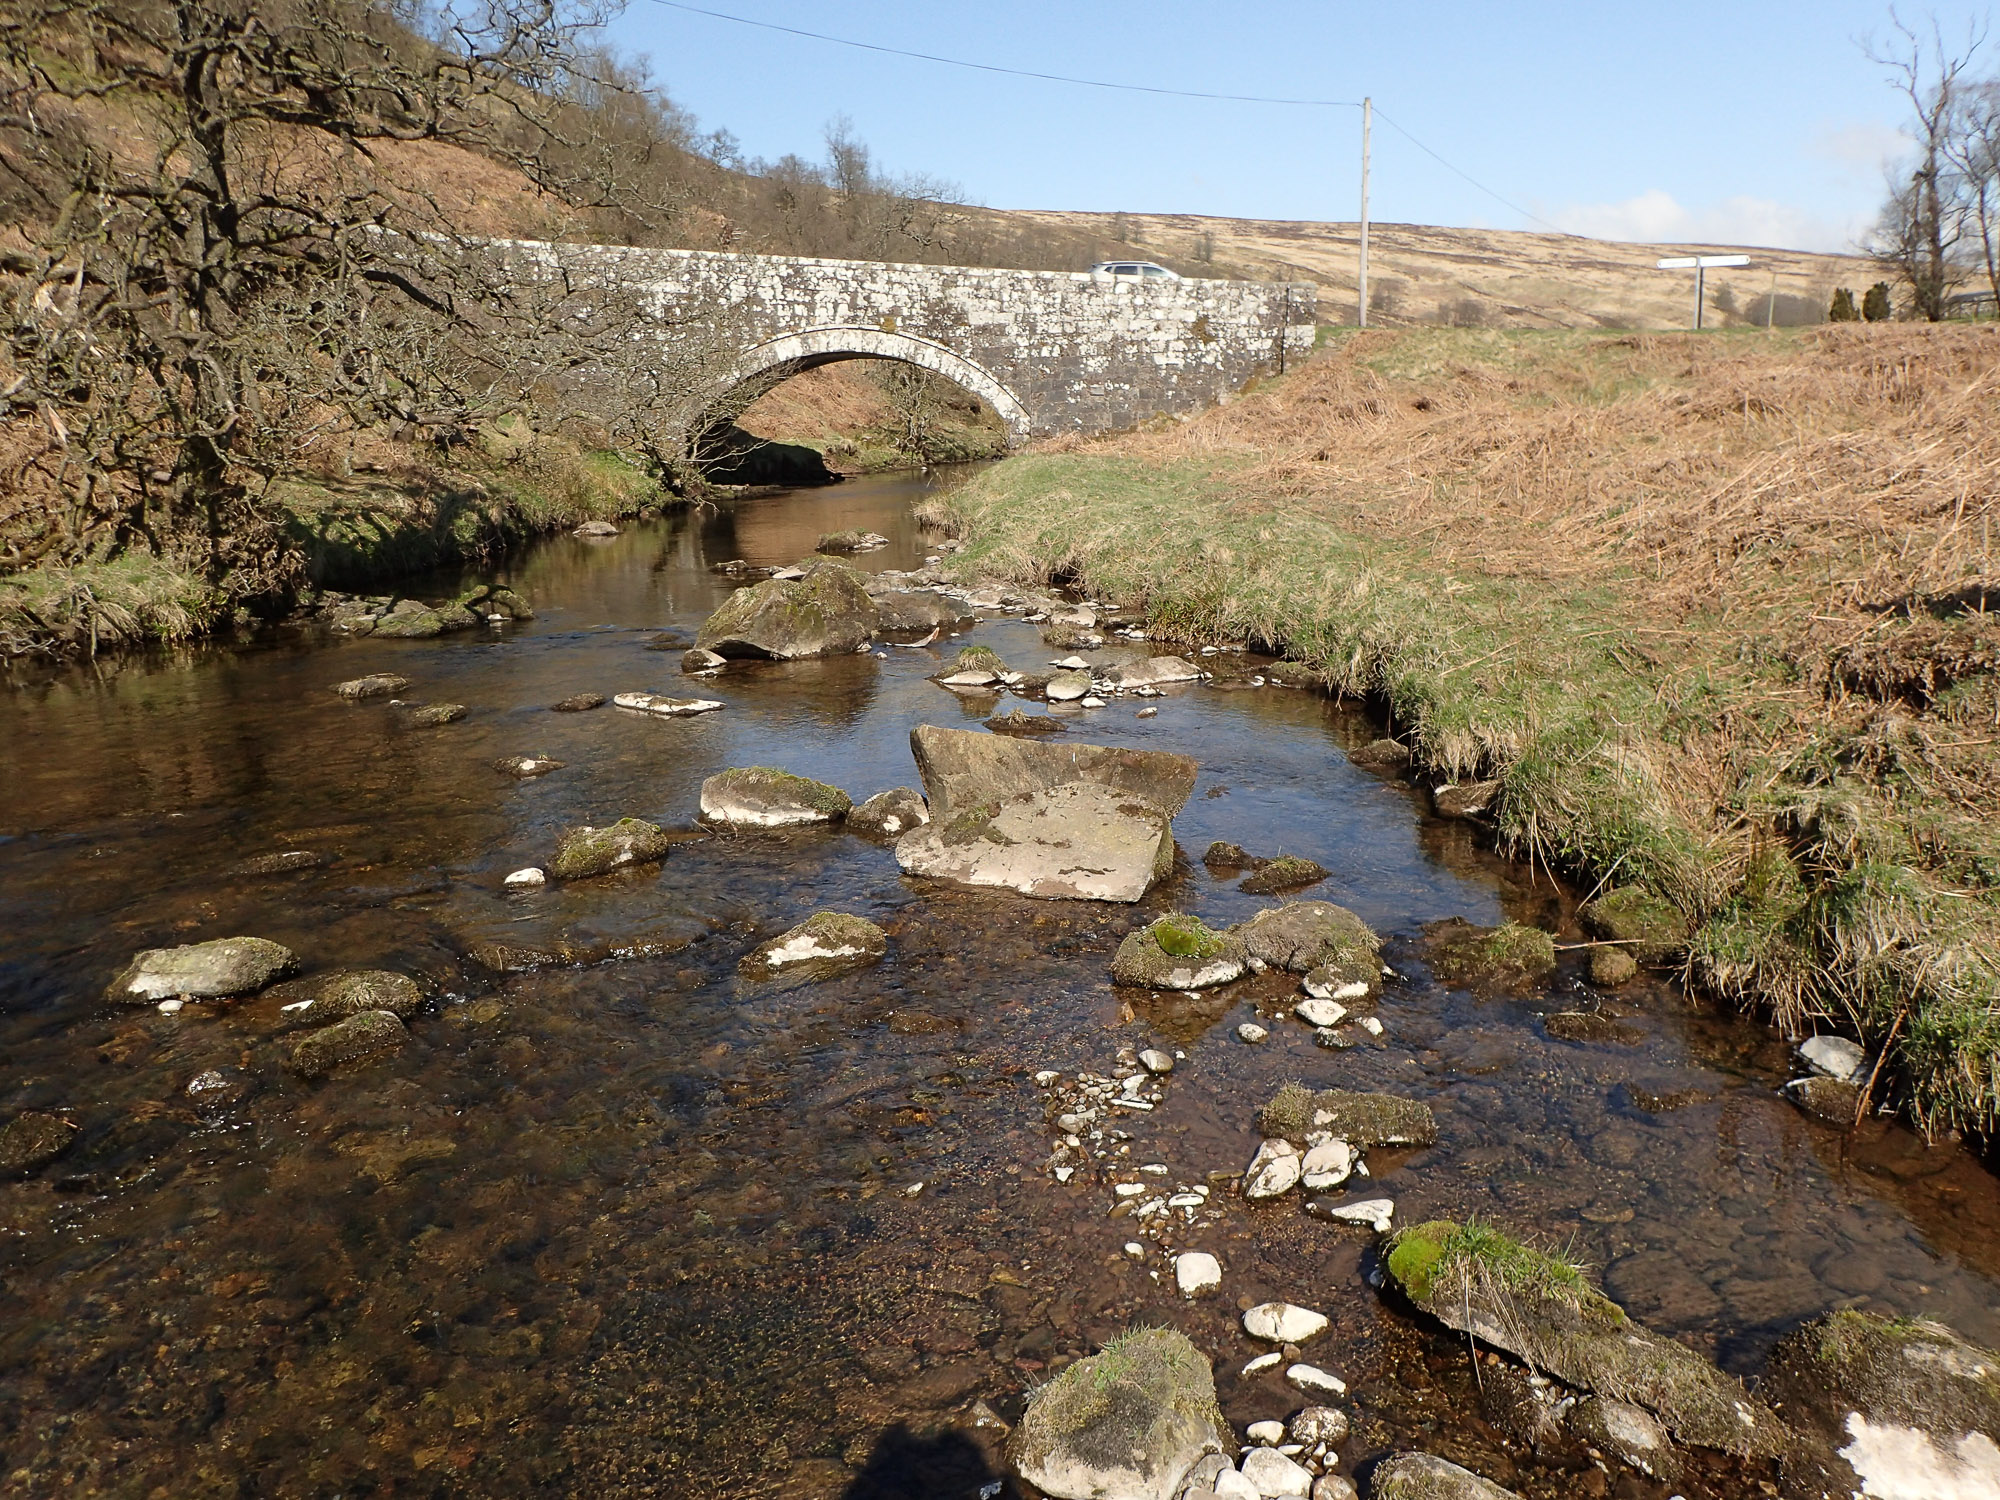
{"x":1611,"y":967}
{"x":1464,"y":799}
{"x":1654,"y":929}
{"x":578,"y":703}
{"x":1296,"y":1112}
{"x":1319,"y":938}
{"x":1831,"y":1101}
{"x":1628,"y":1433}
{"x":375,"y":685}
{"x":1382,"y":755}
{"x":825,"y":944}
{"x":1124,"y":1424}
{"x":339,"y":993}
{"x":1543,"y":1311}
{"x":587,"y":851}
{"x":1424,"y":1476}
{"x":890,"y":814}
{"x":824,"y":613}
{"x":1288,"y":872}
{"x":1893,"y":1407}
{"x":1590,"y":1026}
{"x":765,"y":797}
{"x":1461,"y":953}
{"x":33,"y":1139}
{"x":361,"y":1035}
{"x":201,"y":971}
{"x":525,"y":767}
{"x":1178,"y":953}
{"x":284,"y":862}
{"x":429,"y":715}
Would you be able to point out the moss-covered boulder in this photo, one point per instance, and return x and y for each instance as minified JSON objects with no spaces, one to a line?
{"x":1612,"y":967}
{"x":1303,"y":936}
{"x":978,"y":659}
{"x":365,"y":1035}
{"x":825,"y":613}
{"x":1878,"y":1400}
{"x":1297,"y":1113}
{"x":33,"y":1139}
{"x":1653,"y":930}
{"x":1425,"y":1476}
{"x":587,"y":851}
{"x":766,"y":797}
{"x":856,"y":540}
{"x":336,"y":994}
{"x":409,"y":621}
{"x":201,"y":971}
{"x":1178,"y":953}
{"x":1288,"y":872}
{"x":825,"y":944}
{"x":1513,"y":954}
{"x":1124,"y":1424}
{"x":374,"y":685}
{"x":890,"y":814}
{"x":1543,"y":1311}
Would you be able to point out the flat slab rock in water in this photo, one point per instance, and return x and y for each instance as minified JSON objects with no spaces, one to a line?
{"x":825,"y":944}
{"x":1125,"y":1424}
{"x":587,"y":851}
{"x":1901,"y":1408}
{"x":1542,"y":1311}
{"x":201,"y":971}
{"x":1423,"y":1476}
{"x":661,"y":704}
{"x":336,"y":994}
{"x":1295,"y":1113}
{"x":1078,"y":842}
{"x":962,"y":768}
{"x":766,"y":797}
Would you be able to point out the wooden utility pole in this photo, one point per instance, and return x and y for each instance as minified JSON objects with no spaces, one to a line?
{"x":1367,"y":119}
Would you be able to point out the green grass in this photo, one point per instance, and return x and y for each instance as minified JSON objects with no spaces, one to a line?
{"x":136,"y":599}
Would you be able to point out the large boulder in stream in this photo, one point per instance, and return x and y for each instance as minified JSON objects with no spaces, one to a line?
{"x":766,"y":797}
{"x":587,"y":851}
{"x":339,"y":993}
{"x":363,"y":1035}
{"x":1901,"y":1408}
{"x":1474,"y":1279}
{"x":1178,"y":953}
{"x":1303,"y":937}
{"x":826,"y":944}
{"x":1125,"y":1424}
{"x":201,"y":971}
{"x":825,"y":613}
{"x":1078,"y":822}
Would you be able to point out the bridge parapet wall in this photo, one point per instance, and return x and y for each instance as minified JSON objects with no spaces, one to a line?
{"x":1080,"y":353}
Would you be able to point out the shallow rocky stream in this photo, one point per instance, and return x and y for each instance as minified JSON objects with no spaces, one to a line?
{"x":622,"y":1226}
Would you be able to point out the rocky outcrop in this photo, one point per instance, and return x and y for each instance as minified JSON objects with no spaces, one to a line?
{"x":825,"y":613}
{"x":201,"y":971}
{"x":765,"y":797}
{"x":1124,"y":1424}
{"x":1178,"y":953}
{"x":1424,"y":1476}
{"x":1900,"y":1408}
{"x":1059,"y":822}
{"x":360,"y":1036}
{"x":1544,"y":1312}
{"x":587,"y":851}
{"x":825,"y":944}
{"x":890,"y":814}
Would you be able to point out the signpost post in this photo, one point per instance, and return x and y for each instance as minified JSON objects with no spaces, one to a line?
{"x":1700,"y":264}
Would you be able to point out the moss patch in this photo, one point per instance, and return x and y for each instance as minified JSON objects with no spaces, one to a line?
{"x":1654,"y":929}
{"x":1360,"y":1119}
{"x":1180,"y":936}
{"x":978,"y":659}
{"x":1510,"y":954}
{"x":1288,"y":872}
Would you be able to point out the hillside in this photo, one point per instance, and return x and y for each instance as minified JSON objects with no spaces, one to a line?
{"x":1493,"y":278}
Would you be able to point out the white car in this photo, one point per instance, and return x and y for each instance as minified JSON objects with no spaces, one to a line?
{"x":1144,"y":269}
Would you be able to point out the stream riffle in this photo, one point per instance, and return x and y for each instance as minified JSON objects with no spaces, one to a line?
{"x":623,"y":1226}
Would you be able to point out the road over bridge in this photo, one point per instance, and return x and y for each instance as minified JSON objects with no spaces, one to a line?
{"x":1051,"y":351}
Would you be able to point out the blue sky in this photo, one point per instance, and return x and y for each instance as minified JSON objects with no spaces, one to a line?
{"x":1744,"y":123}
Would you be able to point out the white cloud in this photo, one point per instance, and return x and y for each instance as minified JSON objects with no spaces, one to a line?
{"x":1860,"y":149}
{"x":1657,"y":217}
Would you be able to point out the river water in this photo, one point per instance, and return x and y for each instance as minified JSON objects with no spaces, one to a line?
{"x":621,"y":1226}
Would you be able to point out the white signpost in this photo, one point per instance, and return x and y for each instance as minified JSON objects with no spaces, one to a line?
{"x":1700,"y":264}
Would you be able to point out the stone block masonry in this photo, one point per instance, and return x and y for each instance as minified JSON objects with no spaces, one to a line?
{"x":1052,"y":351}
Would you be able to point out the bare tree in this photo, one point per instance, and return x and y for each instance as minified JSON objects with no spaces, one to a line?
{"x":1927,"y":213}
{"x":192,"y":316}
{"x":1975,"y":156}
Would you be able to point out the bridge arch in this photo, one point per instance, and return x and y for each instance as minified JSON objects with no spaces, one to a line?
{"x":776,"y":360}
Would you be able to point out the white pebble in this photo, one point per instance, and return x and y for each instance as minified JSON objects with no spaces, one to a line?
{"x":1262,"y":1363}
{"x":1315,"y":1380}
{"x":1370,"y":1025}
{"x":1063,"y":1174}
{"x":1374,"y":1212}
{"x":530,"y":876}
{"x":171,"y":1007}
{"x":1196,"y":1271}
{"x":1320,"y":1012}
{"x":1046,"y":1077}
{"x":1268,"y":1433}
{"x":1250,"y":1031}
{"x":1136,"y":1250}
{"x":1153,"y":1060}
{"x":1283,"y":1323}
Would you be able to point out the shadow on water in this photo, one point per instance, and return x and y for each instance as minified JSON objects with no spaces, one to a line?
{"x":947,"y":1466}
{"x":614,"y":1222}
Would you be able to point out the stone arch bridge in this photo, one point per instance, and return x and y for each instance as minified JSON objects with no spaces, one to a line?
{"x":1050,"y":351}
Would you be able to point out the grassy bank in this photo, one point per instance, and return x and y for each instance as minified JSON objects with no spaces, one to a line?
{"x":405,"y":512}
{"x":1711,"y":609}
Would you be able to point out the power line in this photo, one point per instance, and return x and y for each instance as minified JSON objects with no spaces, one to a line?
{"x":1537,"y":218}
{"x":960,"y":62}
